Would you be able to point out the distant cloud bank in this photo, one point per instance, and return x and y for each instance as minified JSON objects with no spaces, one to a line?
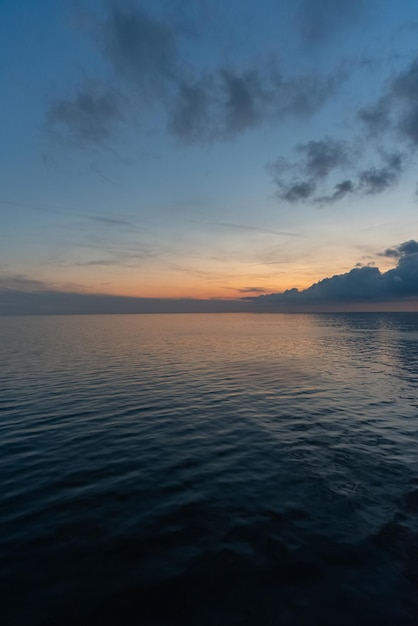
{"x":366,"y":284}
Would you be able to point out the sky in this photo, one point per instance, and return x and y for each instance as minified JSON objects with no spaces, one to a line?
{"x":203,"y":155}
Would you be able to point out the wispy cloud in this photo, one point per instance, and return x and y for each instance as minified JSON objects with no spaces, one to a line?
{"x":319,"y":21}
{"x":256,"y":229}
{"x":369,"y":167}
{"x":252,"y":290}
{"x":149,"y":72}
{"x":322,"y":157}
{"x":110,"y":221}
{"x":225,"y":103}
{"x":376,"y":180}
{"x":88,"y":116}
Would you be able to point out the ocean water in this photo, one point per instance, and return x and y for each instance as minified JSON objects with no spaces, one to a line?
{"x":209,"y":470}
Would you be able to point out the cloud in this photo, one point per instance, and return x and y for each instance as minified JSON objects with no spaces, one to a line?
{"x":296,"y":191}
{"x":376,"y":117}
{"x":392,"y":124}
{"x":19,"y":282}
{"x":404,"y":90}
{"x":229,"y":101}
{"x":374,"y":180}
{"x":321,"y":157}
{"x":364,"y":283}
{"x":149,"y":72}
{"x":20,"y":295}
{"x":405,"y":85}
{"x":141,"y":47}
{"x":88,"y":116}
{"x":402,"y":250}
{"x":397,"y":108}
{"x":252,"y":290}
{"x":110,"y":221}
{"x":241,"y":95}
{"x":257,"y":229}
{"x":189,"y":115}
{"x":341,"y":190}
{"x":98,"y":262}
{"x":321,"y":20}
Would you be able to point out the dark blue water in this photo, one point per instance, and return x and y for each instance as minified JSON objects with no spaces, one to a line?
{"x":209,"y":470}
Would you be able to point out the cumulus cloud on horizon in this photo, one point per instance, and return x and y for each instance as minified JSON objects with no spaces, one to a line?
{"x":366,"y":283}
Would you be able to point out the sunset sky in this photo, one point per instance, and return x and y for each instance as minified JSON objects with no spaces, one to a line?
{"x":203,"y":149}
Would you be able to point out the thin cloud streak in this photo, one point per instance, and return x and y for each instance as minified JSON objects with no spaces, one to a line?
{"x":248,"y":227}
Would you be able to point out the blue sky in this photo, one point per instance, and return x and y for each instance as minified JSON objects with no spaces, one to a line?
{"x":208,"y":150}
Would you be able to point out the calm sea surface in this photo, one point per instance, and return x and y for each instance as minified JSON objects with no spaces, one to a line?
{"x":209,"y":470}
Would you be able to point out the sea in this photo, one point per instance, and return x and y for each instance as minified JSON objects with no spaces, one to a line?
{"x":209,"y":470}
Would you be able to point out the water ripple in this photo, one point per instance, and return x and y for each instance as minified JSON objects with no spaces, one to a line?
{"x":209,"y":469}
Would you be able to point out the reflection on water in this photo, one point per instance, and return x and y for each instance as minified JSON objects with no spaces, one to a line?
{"x":209,"y":469}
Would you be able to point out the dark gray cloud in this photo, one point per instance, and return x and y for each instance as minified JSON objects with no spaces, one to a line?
{"x":141,"y":52}
{"x":146,"y":57}
{"x":392,"y":123}
{"x":252,"y":290}
{"x":376,"y":117}
{"x":408,"y":123}
{"x":397,"y":108}
{"x":88,"y":117}
{"x":296,"y":191}
{"x":225,"y":103}
{"x":241,"y":95}
{"x":376,"y":180}
{"x":404,"y":96}
{"x":321,"y":20}
{"x":321,"y":157}
{"x":141,"y":47}
{"x":342,"y":189}
{"x":405,"y":85}
{"x":190,"y":114}
{"x":402,"y":250}
{"x":364,"y":283}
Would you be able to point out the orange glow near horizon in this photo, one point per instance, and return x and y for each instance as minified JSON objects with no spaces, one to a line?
{"x":159,"y":284}
{"x":200,"y":278}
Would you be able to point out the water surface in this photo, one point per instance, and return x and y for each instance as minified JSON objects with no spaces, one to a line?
{"x":209,"y":469}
